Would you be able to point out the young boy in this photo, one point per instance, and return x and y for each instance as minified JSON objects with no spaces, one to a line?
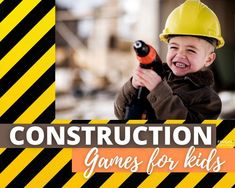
{"x":192,"y":32}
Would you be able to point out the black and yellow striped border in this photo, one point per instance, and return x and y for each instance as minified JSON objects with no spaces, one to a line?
{"x":27,"y":66}
{"x":27,"y":90}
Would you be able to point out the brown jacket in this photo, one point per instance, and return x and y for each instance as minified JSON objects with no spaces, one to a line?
{"x":190,"y":97}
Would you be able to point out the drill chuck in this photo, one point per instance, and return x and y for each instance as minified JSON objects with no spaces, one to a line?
{"x":141,"y":48}
{"x":146,"y":54}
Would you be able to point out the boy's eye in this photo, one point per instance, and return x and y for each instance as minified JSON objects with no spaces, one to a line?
{"x":193,"y":51}
{"x":173,"y":47}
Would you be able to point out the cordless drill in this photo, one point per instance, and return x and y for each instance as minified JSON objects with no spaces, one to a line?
{"x":148,"y":59}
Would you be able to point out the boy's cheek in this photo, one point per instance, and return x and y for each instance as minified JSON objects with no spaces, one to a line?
{"x":169,"y":58}
{"x":169,"y":63}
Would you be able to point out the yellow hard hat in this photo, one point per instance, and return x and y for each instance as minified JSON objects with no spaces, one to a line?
{"x":193,"y":18}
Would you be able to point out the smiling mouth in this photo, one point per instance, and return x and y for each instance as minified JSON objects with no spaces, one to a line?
{"x":180,"y":65}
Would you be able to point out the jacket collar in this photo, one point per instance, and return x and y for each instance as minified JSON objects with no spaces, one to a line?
{"x":200,"y":78}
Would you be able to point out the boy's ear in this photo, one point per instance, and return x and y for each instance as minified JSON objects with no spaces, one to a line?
{"x":210,"y":59}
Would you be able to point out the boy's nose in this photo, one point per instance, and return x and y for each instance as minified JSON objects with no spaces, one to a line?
{"x":181,"y":54}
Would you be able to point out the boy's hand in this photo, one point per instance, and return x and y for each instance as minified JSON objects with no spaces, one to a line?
{"x":145,"y":78}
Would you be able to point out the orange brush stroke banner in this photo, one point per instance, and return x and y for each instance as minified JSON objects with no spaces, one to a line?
{"x":155,"y":159}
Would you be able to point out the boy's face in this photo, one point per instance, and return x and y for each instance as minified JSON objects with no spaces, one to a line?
{"x":188,"y":54}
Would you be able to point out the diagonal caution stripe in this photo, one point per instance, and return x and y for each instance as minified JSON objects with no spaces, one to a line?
{"x":51,"y":169}
{"x":136,"y":121}
{"x":27,"y":61}
{"x":23,"y":84}
{"x":47,"y":116}
{"x":173,"y":179}
{"x":191,"y":179}
{"x":99,"y":121}
{"x":134,"y":180}
{"x":12,"y":57}
{"x":25,"y":26}
{"x":2,"y":150}
{"x":116,"y":179}
{"x":211,"y":179}
{"x":227,"y":181}
{"x":97,"y":179}
{"x":213,"y":122}
{"x":10,"y":172}
{"x":38,"y":106}
{"x":8,"y":156}
{"x":35,"y":166}
{"x":16,"y":16}
{"x":61,"y":121}
{"x":76,"y":181}
{"x":32,"y":94}
{"x":174,"y":121}
{"x":7,"y":7}
{"x":153,"y":180}
{"x":60,"y":178}
{"x":228,"y":141}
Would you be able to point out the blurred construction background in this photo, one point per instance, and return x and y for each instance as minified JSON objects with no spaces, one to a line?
{"x":95,"y":57}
